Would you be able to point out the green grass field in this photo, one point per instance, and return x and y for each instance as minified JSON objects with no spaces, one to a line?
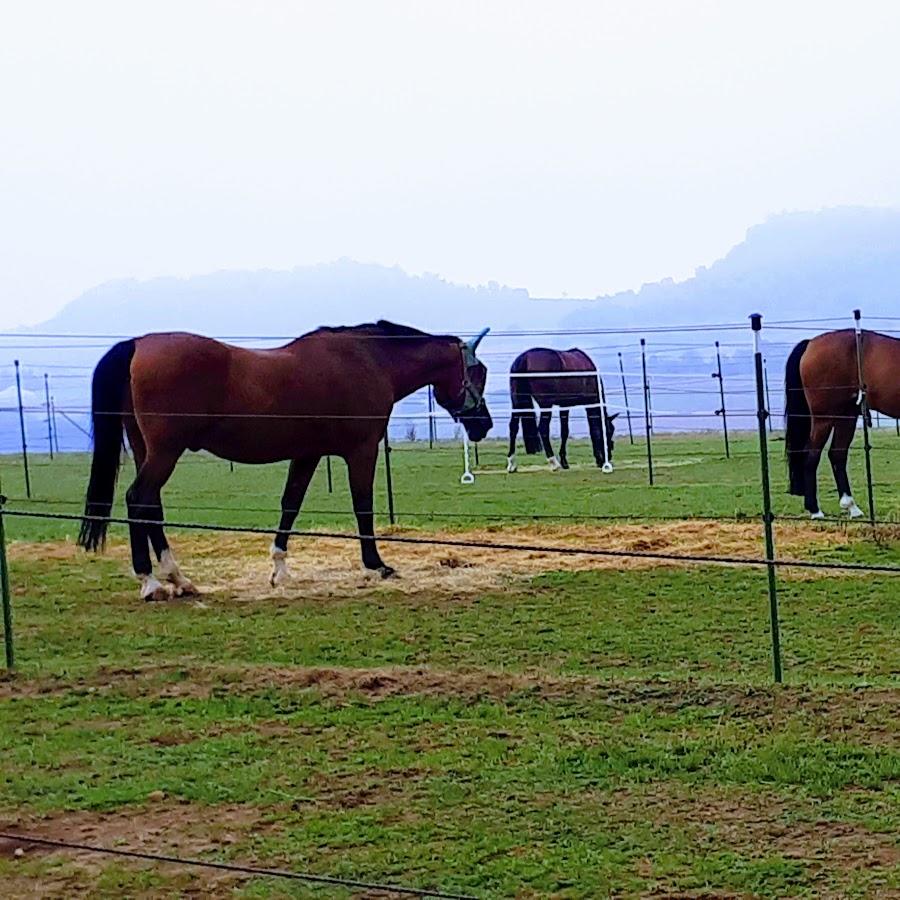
{"x":497,"y":724}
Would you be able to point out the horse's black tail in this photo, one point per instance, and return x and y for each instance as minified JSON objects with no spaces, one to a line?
{"x":108,"y":392}
{"x":796,"y":420}
{"x":523,"y":407}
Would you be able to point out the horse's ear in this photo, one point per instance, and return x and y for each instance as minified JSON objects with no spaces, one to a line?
{"x":613,"y":417}
{"x":475,"y":341}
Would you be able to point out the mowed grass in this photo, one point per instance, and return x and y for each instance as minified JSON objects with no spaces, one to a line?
{"x":573,"y":734}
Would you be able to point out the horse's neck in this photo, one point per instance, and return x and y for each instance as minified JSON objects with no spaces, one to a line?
{"x":417,"y":364}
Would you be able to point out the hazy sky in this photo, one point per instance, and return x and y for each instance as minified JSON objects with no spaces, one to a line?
{"x":561,"y":147}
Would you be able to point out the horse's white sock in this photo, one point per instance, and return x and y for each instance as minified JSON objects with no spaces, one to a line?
{"x":848,"y":504}
{"x":554,"y":463}
{"x":169,"y":569}
{"x":280,"y":572}
{"x":151,"y":589}
{"x":511,"y":465}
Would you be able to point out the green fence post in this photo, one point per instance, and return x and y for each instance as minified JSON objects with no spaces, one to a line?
{"x":648,"y":424}
{"x":864,"y":410}
{"x":721,"y":411}
{"x":387,"y":473}
{"x":762,"y":414}
{"x":7,"y":598}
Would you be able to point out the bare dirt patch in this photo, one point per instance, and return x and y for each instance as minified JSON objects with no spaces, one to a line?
{"x":180,"y":830}
{"x":758,"y":825}
{"x":237,"y":567}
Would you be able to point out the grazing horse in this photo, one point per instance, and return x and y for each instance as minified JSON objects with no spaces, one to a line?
{"x":565,"y":392}
{"x":328,"y":393}
{"x":823,"y":379}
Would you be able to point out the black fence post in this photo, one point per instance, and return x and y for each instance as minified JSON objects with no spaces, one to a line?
{"x":387,"y":473}
{"x":768,"y":398}
{"x":6,"y":596}
{"x":762,"y":414}
{"x":22,"y":429}
{"x":864,"y":410}
{"x":625,"y":395}
{"x":328,"y":474}
{"x":430,"y":419}
{"x":648,"y":425}
{"x":55,"y":428}
{"x":721,"y":410}
{"x":49,"y":419}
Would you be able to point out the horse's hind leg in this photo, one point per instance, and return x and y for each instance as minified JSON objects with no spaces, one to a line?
{"x":143,"y":500}
{"x":544,"y":432}
{"x":818,"y":437}
{"x":168,"y":566}
{"x":361,"y":469}
{"x":844,"y":430}
{"x":563,"y":437}
{"x":300,"y":474}
{"x":513,"y":434}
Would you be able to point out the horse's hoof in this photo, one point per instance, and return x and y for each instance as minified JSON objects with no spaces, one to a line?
{"x":279,"y":577}
{"x":817,"y":515}
{"x":153,"y":592}
{"x":386,"y":571}
{"x":855,"y":512}
{"x":186,"y":589}
{"x":554,"y":464}
{"x":564,"y":463}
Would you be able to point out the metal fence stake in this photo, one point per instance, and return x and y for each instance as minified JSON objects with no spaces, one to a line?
{"x":762,"y":414}
{"x":6,"y":596}
{"x":648,"y":425}
{"x":387,"y":473}
{"x":721,"y":411}
{"x":625,"y":395}
{"x":22,"y":429}
{"x":864,"y":411}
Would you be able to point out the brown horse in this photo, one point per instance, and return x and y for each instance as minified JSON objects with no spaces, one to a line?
{"x":566,"y":391}
{"x":329,"y":392}
{"x":823,"y":381}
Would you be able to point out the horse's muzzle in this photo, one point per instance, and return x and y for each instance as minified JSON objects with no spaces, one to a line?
{"x":477,"y":423}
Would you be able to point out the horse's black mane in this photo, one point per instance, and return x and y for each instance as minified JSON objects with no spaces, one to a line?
{"x":381,"y":328}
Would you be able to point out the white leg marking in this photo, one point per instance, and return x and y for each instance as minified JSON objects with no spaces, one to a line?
{"x":511,"y":465}
{"x":168,"y":568}
{"x":554,"y":463}
{"x":817,"y":515}
{"x":151,"y":589}
{"x":280,"y":572}
{"x":848,"y":504}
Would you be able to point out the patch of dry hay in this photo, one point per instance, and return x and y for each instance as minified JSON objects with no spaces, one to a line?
{"x":238,"y":567}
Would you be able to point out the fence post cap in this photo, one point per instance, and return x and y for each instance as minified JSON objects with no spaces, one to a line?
{"x":756,"y":321}
{"x":643,"y":342}
{"x":856,"y":314}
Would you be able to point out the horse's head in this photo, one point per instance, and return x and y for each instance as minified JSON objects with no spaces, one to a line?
{"x":601,"y":447}
{"x":462,"y":392}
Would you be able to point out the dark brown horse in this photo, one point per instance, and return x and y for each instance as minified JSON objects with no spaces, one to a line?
{"x":823,"y":380}
{"x":565,"y":391}
{"x":329,"y":392}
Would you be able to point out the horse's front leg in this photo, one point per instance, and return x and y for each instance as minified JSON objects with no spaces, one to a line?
{"x":844,"y":430}
{"x":300,"y":474}
{"x":544,"y":432}
{"x":818,"y":437}
{"x":361,"y":471}
{"x":511,"y":465}
{"x":563,"y":437}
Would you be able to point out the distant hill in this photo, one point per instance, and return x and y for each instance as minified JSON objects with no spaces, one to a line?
{"x":292,"y":302}
{"x":793,"y":266}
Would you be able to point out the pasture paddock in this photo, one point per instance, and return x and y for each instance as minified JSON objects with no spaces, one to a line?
{"x":494,"y":724}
